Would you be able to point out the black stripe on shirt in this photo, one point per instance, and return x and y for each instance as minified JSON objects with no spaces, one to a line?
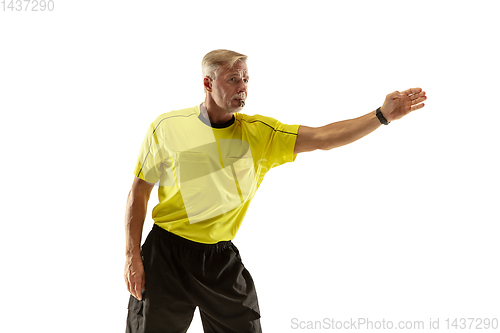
{"x":260,"y":121}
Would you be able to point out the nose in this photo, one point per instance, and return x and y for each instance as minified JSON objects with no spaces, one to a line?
{"x":242,"y":87}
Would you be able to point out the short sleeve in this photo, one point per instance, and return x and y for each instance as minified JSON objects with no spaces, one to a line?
{"x":281,"y":144}
{"x":152,"y":156}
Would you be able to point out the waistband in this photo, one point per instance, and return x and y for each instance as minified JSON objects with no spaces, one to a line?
{"x":171,"y":237}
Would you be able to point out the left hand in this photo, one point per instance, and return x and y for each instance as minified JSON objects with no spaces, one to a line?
{"x":399,"y":104}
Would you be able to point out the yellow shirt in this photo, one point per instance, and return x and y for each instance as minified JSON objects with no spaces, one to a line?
{"x":207,"y":174}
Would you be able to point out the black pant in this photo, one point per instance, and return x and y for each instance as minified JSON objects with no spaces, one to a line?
{"x":180,"y":275}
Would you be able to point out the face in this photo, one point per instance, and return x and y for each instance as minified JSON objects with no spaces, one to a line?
{"x":231,"y":87}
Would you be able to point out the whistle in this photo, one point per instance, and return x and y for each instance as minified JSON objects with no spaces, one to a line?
{"x":242,"y":103}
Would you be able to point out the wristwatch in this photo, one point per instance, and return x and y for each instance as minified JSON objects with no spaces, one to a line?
{"x":381,"y":117}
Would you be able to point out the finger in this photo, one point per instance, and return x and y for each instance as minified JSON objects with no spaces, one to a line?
{"x":417,"y":107}
{"x":130,"y":285}
{"x":137,"y":291}
{"x":418,"y":100}
{"x":417,"y":96}
{"x":412,"y":91}
{"x":127,"y":282}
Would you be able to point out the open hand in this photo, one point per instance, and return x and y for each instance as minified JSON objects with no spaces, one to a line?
{"x":399,"y":104}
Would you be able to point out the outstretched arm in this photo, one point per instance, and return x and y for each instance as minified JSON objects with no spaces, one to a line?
{"x":396,"y":105}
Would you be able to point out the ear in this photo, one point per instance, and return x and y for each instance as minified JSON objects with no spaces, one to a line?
{"x":207,"y":82}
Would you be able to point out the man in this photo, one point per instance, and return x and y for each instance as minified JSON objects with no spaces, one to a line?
{"x":208,"y":162}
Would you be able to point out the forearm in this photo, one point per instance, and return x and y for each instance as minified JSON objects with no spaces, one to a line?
{"x":344,"y":132}
{"x":135,"y":214}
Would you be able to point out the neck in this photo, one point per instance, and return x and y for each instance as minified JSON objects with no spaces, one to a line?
{"x":215,"y":113}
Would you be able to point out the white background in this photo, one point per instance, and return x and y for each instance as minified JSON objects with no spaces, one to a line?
{"x":401,"y":225}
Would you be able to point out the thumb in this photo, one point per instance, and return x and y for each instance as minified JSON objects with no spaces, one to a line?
{"x":396,"y":94}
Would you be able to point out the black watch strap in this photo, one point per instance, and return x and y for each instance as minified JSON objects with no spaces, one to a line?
{"x":381,"y":117}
